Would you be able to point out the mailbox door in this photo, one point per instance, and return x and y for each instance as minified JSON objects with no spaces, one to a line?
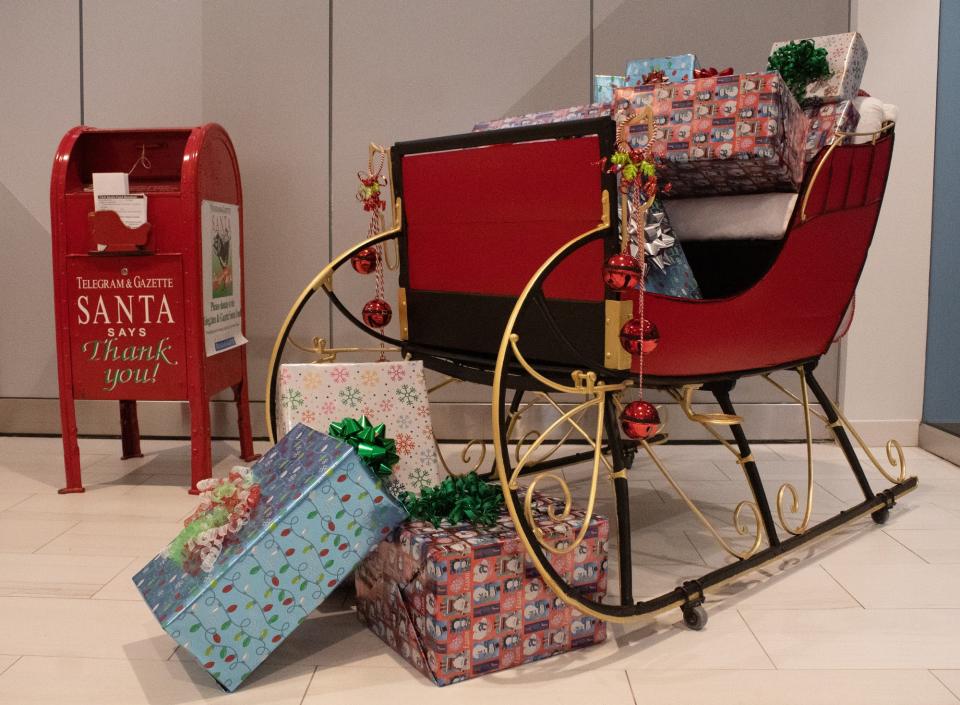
{"x":126,"y":322}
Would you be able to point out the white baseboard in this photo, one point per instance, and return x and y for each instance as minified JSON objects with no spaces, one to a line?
{"x":876,"y":432}
{"x":941,"y":443}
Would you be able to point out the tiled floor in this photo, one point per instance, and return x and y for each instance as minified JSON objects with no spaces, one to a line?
{"x":868,"y":615}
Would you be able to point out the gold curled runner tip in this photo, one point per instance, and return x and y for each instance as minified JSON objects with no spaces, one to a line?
{"x":738,"y":522}
{"x":787,"y":487}
{"x":464,"y":456}
{"x":893,"y":447}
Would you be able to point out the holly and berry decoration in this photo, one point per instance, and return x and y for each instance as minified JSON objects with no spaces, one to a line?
{"x":638,"y":185}
{"x":369,"y":260}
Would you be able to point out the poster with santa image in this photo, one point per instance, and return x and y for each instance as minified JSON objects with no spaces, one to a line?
{"x":126,"y":327}
{"x":222,"y":306}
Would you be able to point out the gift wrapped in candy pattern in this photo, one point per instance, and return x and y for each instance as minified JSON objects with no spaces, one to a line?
{"x":320,"y":511}
{"x":577,"y":112}
{"x":722,"y":134}
{"x":674,"y":69}
{"x":847,"y":57}
{"x":391,"y":393}
{"x":460,"y":601}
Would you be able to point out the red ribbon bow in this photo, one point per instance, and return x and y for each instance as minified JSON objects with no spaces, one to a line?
{"x":655,"y":77}
{"x":712,"y":71}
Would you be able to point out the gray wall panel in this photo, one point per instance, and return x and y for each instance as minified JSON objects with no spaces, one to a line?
{"x":408,"y":70}
{"x":265,"y":79}
{"x":141,"y":63}
{"x":39,"y":102}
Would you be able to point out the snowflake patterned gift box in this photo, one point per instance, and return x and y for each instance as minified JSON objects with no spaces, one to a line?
{"x":847,"y":57}
{"x":391,"y":393}
{"x":457,"y":601}
{"x":321,"y":510}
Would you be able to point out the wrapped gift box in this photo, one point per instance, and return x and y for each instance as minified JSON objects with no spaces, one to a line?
{"x":847,"y":56}
{"x":603,"y":87}
{"x":321,"y":510}
{"x":823,"y":120}
{"x":577,"y":112}
{"x":459,"y":601}
{"x":722,"y":134}
{"x":676,"y":69}
{"x":391,"y":393}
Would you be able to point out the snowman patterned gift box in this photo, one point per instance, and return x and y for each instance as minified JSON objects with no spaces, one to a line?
{"x":461,"y":601}
{"x":311,"y":511}
{"x":722,"y":134}
{"x":826,"y":119}
{"x":389,"y":393}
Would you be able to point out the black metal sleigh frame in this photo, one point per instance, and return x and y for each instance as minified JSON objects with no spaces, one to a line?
{"x":557,"y":336}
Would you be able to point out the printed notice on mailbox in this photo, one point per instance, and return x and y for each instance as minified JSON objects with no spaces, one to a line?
{"x":222,"y":308}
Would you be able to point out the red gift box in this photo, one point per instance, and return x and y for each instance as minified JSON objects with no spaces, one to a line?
{"x":460,"y":601}
{"x":722,"y":134}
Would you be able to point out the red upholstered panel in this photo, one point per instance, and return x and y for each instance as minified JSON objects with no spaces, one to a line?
{"x":794,"y":311}
{"x":482,"y":220}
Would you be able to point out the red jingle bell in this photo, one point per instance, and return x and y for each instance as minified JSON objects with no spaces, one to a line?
{"x":622,"y":271}
{"x":638,"y":336}
{"x":365,"y":261}
{"x":639,"y":420}
{"x":377,"y":313}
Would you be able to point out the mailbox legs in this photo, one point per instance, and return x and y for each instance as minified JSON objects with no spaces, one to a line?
{"x":71,"y":449}
{"x":201,"y":465}
{"x":242,"y":400}
{"x":129,"y":430}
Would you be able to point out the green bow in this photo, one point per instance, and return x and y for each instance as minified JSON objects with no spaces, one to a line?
{"x":457,"y":499}
{"x":800,"y":63}
{"x":370,"y":442}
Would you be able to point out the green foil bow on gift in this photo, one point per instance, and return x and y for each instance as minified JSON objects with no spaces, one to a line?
{"x":459,"y":498}
{"x":370,"y":442}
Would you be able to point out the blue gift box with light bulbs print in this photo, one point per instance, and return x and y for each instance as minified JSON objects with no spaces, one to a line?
{"x":320,"y":511}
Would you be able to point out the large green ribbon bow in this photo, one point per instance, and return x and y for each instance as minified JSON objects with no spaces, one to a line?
{"x":371,"y":443}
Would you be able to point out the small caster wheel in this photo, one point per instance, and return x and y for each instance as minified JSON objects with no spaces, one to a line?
{"x":881,"y":515}
{"x":694,"y":616}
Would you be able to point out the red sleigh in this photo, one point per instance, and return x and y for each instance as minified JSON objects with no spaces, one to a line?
{"x":502,"y":238}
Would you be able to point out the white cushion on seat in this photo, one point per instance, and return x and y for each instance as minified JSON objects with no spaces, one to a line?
{"x":761,"y":216}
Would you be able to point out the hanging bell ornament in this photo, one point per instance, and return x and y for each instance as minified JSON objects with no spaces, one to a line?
{"x":377,"y":313}
{"x":365,"y":261}
{"x":622,"y":271}
{"x":639,"y":420}
{"x":638,"y":336}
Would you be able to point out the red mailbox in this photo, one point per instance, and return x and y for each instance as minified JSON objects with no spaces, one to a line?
{"x":154,"y":311}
